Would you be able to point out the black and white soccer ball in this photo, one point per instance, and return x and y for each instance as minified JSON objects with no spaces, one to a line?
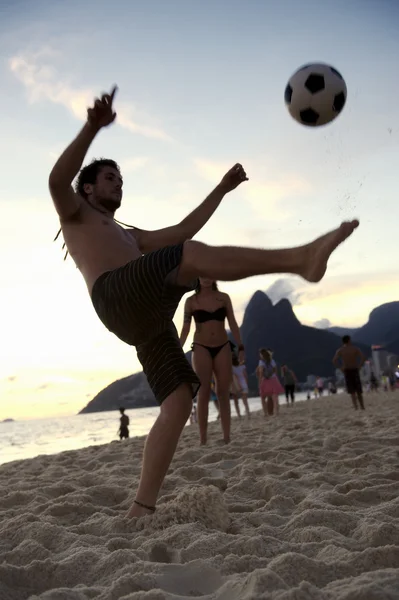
{"x":315,"y":94}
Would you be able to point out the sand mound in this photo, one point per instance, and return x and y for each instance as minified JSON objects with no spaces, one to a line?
{"x":300,"y":507}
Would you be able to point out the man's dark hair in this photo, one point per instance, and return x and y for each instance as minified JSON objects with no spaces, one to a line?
{"x":90,"y":172}
{"x":346,"y":339}
{"x":122,"y":410}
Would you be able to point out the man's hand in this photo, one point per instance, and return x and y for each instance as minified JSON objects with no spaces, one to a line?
{"x":102,"y":113}
{"x":241,"y":357}
{"x":233,"y":178}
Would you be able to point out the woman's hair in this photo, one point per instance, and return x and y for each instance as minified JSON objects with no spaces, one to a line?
{"x":198,"y":287}
{"x":266,"y":355}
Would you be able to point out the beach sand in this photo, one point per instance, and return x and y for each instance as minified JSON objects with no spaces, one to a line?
{"x":304,"y":506}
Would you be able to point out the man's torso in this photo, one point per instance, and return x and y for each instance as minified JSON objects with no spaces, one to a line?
{"x":288,"y":378}
{"x":124,"y":421}
{"x":97,"y":244}
{"x":350,"y":357}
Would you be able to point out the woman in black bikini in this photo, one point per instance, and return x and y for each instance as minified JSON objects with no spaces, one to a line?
{"x":212,"y":350}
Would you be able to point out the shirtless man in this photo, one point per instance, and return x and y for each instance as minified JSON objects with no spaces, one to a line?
{"x":136,"y":279}
{"x":350,"y":359}
{"x":124,"y":426}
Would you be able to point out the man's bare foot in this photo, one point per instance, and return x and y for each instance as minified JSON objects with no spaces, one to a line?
{"x":138,"y":511}
{"x":317,"y":253}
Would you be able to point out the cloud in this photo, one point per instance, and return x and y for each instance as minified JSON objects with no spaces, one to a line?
{"x":130,"y":165}
{"x":43,"y":83}
{"x":211,"y":171}
{"x":284,"y":288}
{"x":266,"y":195}
{"x":267,"y":199}
{"x":322,"y":324}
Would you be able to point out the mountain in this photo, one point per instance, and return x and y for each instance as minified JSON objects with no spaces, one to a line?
{"x":131,"y":392}
{"x":306,"y":350}
{"x":341,"y":331}
{"x":382,"y":328}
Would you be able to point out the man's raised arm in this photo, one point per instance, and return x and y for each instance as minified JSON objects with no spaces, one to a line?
{"x":66,"y":201}
{"x":190,"y":225}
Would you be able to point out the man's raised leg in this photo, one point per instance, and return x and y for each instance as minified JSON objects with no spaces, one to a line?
{"x":230,"y":263}
{"x":160,"y":447}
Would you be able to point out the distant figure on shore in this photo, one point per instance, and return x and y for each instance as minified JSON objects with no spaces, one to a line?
{"x":124,"y":426}
{"x":240,"y":385}
{"x":350,"y":359}
{"x":214,"y":398}
{"x":193,"y":415}
{"x":373,"y":383}
{"x":289,"y":383}
{"x":331,"y":388}
{"x":385,"y":382}
{"x":320,"y":386}
{"x":269,"y":384}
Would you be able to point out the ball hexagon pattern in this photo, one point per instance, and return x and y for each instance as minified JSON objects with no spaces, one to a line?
{"x":315,"y":94}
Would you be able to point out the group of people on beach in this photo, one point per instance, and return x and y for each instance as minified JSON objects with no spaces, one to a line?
{"x":136,"y":279}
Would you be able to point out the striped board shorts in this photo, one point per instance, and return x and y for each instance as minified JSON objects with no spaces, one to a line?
{"x":137,"y":302}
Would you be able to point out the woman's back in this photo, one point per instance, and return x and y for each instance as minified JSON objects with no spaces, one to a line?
{"x":288,"y":377}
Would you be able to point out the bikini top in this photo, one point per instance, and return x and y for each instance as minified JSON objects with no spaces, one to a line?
{"x":202,"y":316}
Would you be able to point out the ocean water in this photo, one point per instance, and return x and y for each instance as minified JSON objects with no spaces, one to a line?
{"x":27,"y":439}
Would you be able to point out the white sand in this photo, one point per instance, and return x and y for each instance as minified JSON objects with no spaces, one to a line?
{"x":302,"y":507}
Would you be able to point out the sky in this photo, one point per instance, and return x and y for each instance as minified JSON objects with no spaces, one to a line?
{"x":201,"y":87}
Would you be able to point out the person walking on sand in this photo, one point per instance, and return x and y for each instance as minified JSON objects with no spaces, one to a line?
{"x":193,"y":415}
{"x":240,"y":384}
{"x":269,"y":384}
{"x":124,"y":426}
{"x":289,"y":383}
{"x":351,"y":359}
{"x":136,"y":278}
{"x":320,"y":386}
{"x":211,"y":350}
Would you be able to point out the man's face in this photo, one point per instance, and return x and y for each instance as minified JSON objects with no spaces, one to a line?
{"x":107,"y":191}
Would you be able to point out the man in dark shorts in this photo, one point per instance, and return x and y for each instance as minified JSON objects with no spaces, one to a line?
{"x":289,"y":382}
{"x":136,"y":279}
{"x":351,"y":359}
{"x":124,"y":426}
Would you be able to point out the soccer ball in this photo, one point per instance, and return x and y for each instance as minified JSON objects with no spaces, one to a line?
{"x":315,"y":94}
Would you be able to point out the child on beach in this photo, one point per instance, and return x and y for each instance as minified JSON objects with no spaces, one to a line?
{"x":269,"y":384}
